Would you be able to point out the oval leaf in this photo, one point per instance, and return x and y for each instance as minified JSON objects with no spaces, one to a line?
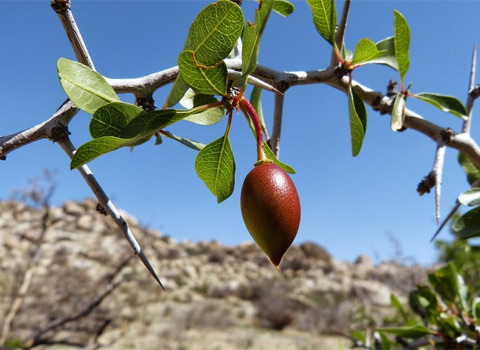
{"x":95,"y":148}
{"x":112,"y":118}
{"x":402,"y":43}
{"x":215,"y":166}
{"x":324,"y":17}
{"x":214,"y":32}
{"x":178,"y":90}
{"x":208,"y":117}
{"x":256,"y":101}
{"x":388,"y":59}
{"x":445,"y":103}
{"x":358,"y":121}
{"x":211,"y":80}
{"x":468,"y":225}
{"x":413,"y":332}
{"x":87,"y":89}
{"x":473,"y":174}
{"x":366,"y":52}
{"x":252,"y":35}
{"x":470,"y":197}
{"x":398,"y":113}
{"x":283,"y":7}
{"x":270,"y":155}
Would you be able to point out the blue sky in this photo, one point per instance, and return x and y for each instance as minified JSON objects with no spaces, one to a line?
{"x":349,"y":205}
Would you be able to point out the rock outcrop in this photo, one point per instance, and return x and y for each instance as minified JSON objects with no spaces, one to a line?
{"x":69,"y":280}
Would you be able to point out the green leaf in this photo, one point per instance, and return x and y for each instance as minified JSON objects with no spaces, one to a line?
{"x":473,"y":174}
{"x":445,"y":103}
{"x":358,"y":121}
{"x":398,"y":112}
{"x":413,"y":332}
{"x":270,"y":155}
{"x":256,"y":101}
{"x":87,"y":89}
{"x":209,"y":116}
{"x":470,"y":197}
{"x":468,"y":225}
{"x":112,"y":118}
{"x":283,"y":7}
{"x":397,"y":305}
{"x":137,"y":131}
{"x":209,"y":80}
{"x":214,"y":32}
{"x":252,"y":35}
{"x":388,"y":58}
{"x":402,"y":43}
{"x":324,"y":17}
{"x":215,"y":166}
{"x":449,"y":284}
{"x":197,"y":146}
{"x":95,"y":148}
{"x":476,"y":308}
{"x":178,"y":90}
{"x":366,"y":52}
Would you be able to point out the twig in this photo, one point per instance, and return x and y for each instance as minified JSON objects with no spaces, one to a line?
{"x":470,"y":97}
{"x":62,"y":8}
{"x":274,"y":141}
{"x":438,"y":171}
{"x":340,"y":33}
{"x":108,"y":205}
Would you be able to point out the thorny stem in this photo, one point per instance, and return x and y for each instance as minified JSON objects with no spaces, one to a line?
{"x":438,"y":172}
{"x":62,"y":8}
{"x":108,"y":205}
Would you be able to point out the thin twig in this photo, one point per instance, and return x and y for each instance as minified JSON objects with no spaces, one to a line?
{"x":470,"y":97}
{"x":341,"y":30}
{"x":438,"y":172}
{"x":274,"y":141}
{"x":108,"y":205}
{"x":62,"y":8}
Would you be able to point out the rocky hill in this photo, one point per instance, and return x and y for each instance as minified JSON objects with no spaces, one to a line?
{"x":69,"y":280}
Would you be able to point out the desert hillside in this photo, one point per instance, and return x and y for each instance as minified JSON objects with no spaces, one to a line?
{"x":80,"y":287}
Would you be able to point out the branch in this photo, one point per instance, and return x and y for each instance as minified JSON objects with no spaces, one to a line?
{"x":62,"y":8}
{"x":274,"y":141}
{"x":108,"y":205}
{"x":340,"y":33}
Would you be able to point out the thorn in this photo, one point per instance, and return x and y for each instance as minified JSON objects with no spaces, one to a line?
{"x":149,"y":267}
{"x":444,"y":222}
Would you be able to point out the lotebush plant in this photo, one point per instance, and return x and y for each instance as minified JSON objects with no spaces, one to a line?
{"x":218,"y":62}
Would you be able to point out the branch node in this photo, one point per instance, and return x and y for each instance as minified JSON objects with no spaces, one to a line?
{"x":60,"y":6}
{"x":282,"y":86}
{"x":446,"y":135}
{"x":427,"y":183}
{"x":392,"y":89}
{"x":101,"y":209}
{"x":147,"y":103}
{"x":475,"y":92}
{"x":58,"y":133}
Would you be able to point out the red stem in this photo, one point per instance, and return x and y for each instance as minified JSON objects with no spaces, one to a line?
{"x":248,"y":109}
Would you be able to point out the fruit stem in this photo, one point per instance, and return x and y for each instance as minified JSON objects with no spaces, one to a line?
{"x":250,"y":111}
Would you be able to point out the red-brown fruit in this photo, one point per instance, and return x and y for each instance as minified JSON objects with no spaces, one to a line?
{"x":270,"y":209}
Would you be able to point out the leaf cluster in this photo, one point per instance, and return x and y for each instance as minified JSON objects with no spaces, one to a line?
{"x":203,"y":75}
{"x":393,"y":52}
{"x":442,"y":315}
